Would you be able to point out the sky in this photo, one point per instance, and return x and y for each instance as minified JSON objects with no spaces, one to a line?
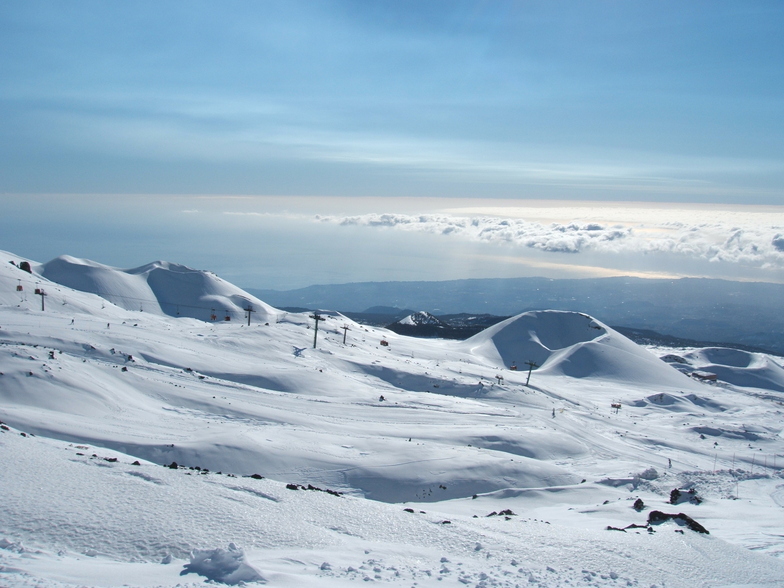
{"x":283,"y":144}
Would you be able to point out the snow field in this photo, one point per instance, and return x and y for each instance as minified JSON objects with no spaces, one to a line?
{"x":86,"y":376}
{"x":83,"y":512}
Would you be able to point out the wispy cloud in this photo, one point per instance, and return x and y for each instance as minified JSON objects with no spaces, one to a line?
{"x":392,"y":99}
{"x":214,"y":129}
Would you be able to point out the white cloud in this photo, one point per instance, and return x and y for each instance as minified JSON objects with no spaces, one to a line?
{"x":751,"y":243}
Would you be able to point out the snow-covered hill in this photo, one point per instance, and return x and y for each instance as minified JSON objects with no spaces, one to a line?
{"x":160,"y":287}
{"x":741,"y":368}
{"x":444,"y":426}
{"x":571,"y":344}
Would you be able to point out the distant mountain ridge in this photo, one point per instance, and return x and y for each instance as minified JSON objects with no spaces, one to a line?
{"x":702,"y":309}
{"x":421,"y":318}
{"x":447,"y":326}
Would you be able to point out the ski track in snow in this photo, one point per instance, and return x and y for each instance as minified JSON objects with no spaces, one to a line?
{"x":456,"y":437}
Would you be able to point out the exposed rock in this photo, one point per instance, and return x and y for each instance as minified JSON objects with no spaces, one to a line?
{"x":504,"y":513}
{"x":656,"y":517}
{"x":678,"y":495}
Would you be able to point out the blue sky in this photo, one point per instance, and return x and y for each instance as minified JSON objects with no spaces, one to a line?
{"x":665,"y":102}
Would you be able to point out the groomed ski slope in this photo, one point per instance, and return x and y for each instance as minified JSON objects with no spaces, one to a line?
{"x":88,"y":377}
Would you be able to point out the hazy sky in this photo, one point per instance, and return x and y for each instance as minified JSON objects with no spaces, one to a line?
{"x":352,"y":110}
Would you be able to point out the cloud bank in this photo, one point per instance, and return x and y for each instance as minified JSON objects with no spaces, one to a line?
{"x":750,"y":245}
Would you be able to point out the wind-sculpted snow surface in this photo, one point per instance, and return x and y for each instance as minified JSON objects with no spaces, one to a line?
{"x":278,"y":447}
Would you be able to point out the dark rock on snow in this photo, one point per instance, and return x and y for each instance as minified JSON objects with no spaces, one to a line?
{"x":657,"y":517}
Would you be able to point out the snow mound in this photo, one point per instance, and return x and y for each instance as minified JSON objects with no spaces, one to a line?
{"x":227,"y":566}
{"x":159,"y":287}
{"x":740,"y":368}
{"x":570,"y":344}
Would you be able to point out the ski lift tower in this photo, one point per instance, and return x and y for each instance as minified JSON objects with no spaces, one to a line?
{"x":249,"y":310}
{"x":531,"y":365}
{"x":317,"y":317}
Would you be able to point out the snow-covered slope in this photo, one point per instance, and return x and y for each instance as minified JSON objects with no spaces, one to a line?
{"x":429,"y":422}
{"x":571,"y":344}
{"x":160,"y":287}
{"x":754,"y":370}
{"x":79,"y":515}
